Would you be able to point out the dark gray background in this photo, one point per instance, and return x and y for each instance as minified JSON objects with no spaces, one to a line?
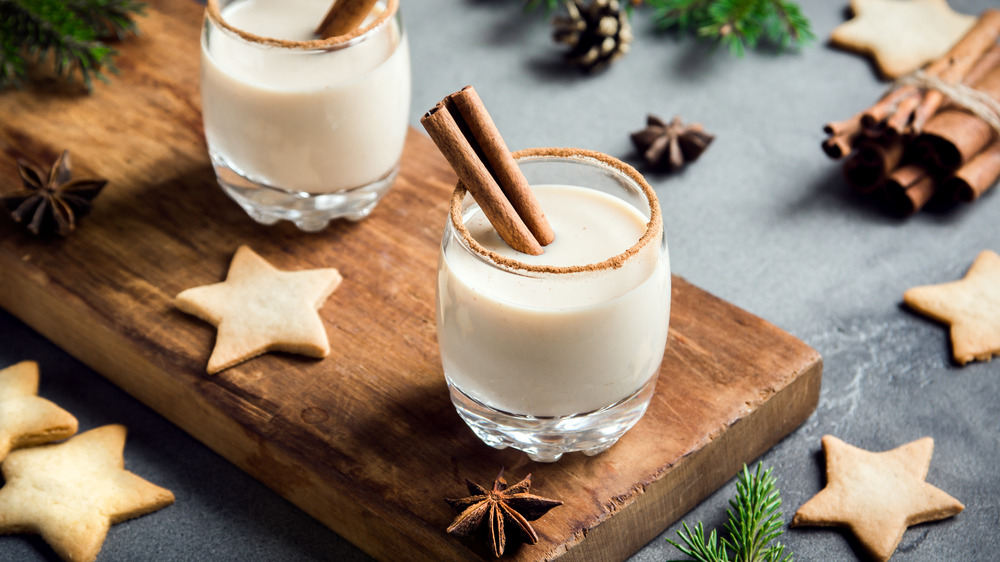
{"x":763,"y":220}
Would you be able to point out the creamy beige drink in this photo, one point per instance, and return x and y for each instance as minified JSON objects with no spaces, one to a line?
{"x":557,"y":344}
{"x":314,"y":119}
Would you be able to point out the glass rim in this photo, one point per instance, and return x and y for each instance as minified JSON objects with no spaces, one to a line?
{"x":580,"y":155}
{"x":214,"y":13}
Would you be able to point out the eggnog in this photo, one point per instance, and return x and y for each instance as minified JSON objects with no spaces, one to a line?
{"x":311,"y":118}
{"x":562,"y":333}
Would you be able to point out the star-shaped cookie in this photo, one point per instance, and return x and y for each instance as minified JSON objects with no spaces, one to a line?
{"x":259,"y":308}
{"x":901,"y":35}
{"x":72,"y":492}
{"x":971,"y":306}
{"x":26,"y":419}
{"x":877,"y":495}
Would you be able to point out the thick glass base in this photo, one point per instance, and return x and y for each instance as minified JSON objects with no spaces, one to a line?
{"x":310,"y":212}
{"x":547,"y":439}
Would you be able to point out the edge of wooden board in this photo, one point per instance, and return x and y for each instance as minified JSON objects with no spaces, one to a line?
{"x":669,"y":498}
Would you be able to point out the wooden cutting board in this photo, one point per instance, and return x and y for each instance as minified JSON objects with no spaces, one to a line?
{"x":366,"y":440}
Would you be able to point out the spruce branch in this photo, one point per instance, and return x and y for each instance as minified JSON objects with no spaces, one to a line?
{"x":737,"y":24}
{"x":12,"y":66}
{"x":754,"y":522}
{"x":112,"y":19}
{"x":697,"y":547}
{"x":69,"y":33}
{"x":550,"y":5}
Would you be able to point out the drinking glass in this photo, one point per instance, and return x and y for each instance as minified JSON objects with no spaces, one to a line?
{"x":551,"y":360}
{"x":305,"y":131}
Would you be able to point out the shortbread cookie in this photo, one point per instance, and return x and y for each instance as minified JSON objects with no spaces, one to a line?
{"x":72,"y":492}
{"x":877,"y":495}
{"x":26,"y":419}
{"x":971,"y":306}
{"x":259,"y":309}
{"x":901,"y":35}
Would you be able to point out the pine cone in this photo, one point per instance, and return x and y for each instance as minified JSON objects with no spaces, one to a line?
{"x":597,"y":33}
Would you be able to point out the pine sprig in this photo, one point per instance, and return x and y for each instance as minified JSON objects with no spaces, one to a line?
{"x":754,"y":522}
{"x":697,"y":547}
{"x":683,"y":14}
{"x":737,"y":24}
{"x":111,"y":18}
{"x":69,"y":33}
{"x":550,"y":5}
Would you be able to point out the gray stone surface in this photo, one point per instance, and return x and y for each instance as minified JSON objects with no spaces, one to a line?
{"x":763,"y":220}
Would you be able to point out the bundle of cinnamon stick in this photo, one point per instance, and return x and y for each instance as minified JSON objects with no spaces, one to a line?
{"x":917,"y":143}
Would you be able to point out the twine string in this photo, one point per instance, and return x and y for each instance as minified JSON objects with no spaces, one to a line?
{"x":979,"y":103}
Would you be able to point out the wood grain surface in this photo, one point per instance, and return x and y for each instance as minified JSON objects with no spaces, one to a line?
{"x":366,"y":440}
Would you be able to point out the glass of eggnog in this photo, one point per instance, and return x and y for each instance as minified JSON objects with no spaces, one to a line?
{"x":558,"y":352}
{"x":300,"y":128}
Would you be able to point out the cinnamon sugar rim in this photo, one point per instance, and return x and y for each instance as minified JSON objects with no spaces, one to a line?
{"x":653,"y":228}
{"x":214,"y":13}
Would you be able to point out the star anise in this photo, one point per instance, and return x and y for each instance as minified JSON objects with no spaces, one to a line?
{"x":51,"y":203}
{"x":672,"y":145}
{"x":499,"y":507}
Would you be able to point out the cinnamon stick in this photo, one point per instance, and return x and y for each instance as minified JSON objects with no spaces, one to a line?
{"x":961,"y":59}
{"x":898,"y":123}
{"x":954,"y":135}
{"x":872,"y":162}
{"x":951,"y":138}
{"x":500,"y":162}
{"x":884,"y":107}
{"x":908,"y":188}
{"x":977,"y":175}
{"x":985,"y":65}
{"x":469,"y":155}
{"x":838,"y":146}
{"x":344,"y":16}
{"x":835,"y":128}
{"x":843,"y":135}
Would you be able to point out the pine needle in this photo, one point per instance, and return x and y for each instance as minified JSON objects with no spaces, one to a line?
{"x":550,"y":5}
{"x":68,"y":34}
{"x":753,"y":524}
{"x":737,"y":25}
